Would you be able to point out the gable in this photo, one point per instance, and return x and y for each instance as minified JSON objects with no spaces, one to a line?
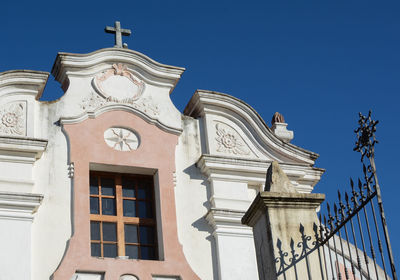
{"x":114,"y":79}
{"x":224,"y":117}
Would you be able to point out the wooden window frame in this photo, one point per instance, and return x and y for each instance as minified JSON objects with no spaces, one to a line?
{"x":119,"y":218}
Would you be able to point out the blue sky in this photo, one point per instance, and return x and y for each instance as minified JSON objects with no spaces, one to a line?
{"x":317,"y":62}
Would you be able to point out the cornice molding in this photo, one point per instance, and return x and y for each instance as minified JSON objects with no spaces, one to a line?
{"x":18,"y":206}
{"x":84,"y":65}
{"x":26,"y":146}
{"x":121,"y":107}
{"x":29,"y":82}
{"x":228,"y":222}
{"x":254,"y":171}
{"x":210,"y":102}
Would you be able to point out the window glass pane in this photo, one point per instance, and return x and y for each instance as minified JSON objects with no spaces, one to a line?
{"x":147,"y":253}
{"x":132,"y":251}
{"x":146,"y":235}
{"x":144,"y":190}
{"x":128,"y":187}
{"x":94,"y":186}
{"x":94,"y":205}
{"x":129,"y":208}
{"x":109,"y":232}
{"x":95,"y":230}
{"x":110,"y":250}
{"x":95,"y":249}
{"x":108,"y":206}
{"x":107,"y":186}
{"x":131,"y":233}
{"x":145,"y":210}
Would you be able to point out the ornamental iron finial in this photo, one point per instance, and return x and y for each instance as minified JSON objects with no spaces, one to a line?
{"x":366,"y":136}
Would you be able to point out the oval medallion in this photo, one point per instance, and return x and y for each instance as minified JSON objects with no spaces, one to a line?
{"x":121,"y":139}
{"x":118,"y":84}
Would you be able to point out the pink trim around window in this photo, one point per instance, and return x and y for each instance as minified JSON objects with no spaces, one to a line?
{"x":157,"y":152}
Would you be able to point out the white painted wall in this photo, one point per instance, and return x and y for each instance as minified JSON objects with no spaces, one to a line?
{"x":191,"y":193}
{"x":14,"y":245}
{"x":215,"y":184}
{"x":51,"y":228}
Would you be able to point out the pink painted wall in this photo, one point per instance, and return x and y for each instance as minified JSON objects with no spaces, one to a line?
{"x":156,"y":151}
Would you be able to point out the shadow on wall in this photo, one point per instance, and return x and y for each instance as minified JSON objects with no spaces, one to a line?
{"x":201,"y":224}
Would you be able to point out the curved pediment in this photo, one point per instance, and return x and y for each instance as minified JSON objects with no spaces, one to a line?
{"x":249,"y":136}
{"x":113,"y":78}
{"x":69,"y":65}
{"x":23,"y":82}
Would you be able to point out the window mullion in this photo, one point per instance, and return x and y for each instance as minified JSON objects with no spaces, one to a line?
{"x":100,"y":212}
{"x":120,"y":215}
{"x":100,"y":199}
{"x":101,"y":239}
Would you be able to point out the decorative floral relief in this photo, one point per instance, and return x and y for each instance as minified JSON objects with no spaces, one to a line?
{"x":12,"y":118}
{"x":229,"y":141}
{"x":121,"y":139}
{"x":92,"y":102}
{"x":146,"y":105}
{"x":95,"y":101}
{"x":118,"y":84}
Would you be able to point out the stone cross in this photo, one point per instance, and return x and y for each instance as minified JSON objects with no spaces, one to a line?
{"x":118,"y":33}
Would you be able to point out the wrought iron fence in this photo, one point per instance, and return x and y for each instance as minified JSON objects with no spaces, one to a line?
{"x":352,"y":217}
{"x":352,"y":238}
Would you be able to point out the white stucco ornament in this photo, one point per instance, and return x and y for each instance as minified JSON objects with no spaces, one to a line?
{"x":118,"y":84}
{"x":121,"y":139}
{"x":13,"y":119}
{"x":229,"y":141}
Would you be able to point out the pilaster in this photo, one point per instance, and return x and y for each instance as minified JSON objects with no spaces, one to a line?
{"x":16,"y":215}
{"x":234,"y":244}
{"x":17,"y":203}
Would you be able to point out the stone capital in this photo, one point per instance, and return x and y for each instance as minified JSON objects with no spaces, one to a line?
{"x":268,"y":200}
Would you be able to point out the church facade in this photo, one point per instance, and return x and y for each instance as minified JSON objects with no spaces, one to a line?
{"x":111,"y":181}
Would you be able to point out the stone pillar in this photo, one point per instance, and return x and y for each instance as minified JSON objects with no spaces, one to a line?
{"x":283,"y":222}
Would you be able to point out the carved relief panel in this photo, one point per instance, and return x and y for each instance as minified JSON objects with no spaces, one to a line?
{"x":227,"y":140}
{"x":121,"y":139}
{"x":13,"y":118}
{"x":118,"y":84}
